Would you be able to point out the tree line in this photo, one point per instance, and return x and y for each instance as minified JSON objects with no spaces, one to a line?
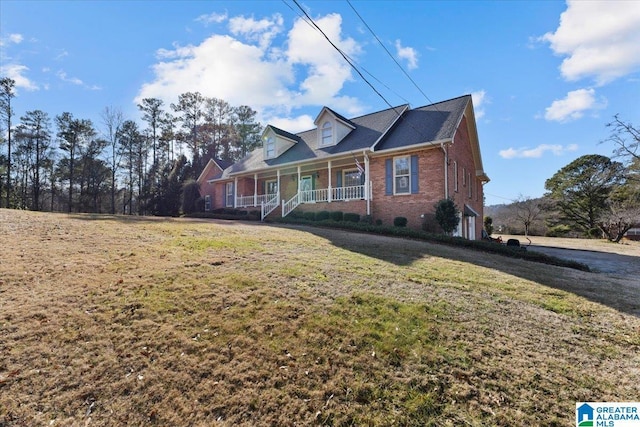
{"x":593,"y":196}
{"x":68,"y":163}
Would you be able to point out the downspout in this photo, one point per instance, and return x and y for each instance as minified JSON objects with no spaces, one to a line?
{"x":255,"y":189}
{"x":330,"y":189}
{"x":367,"y":190}
{"x":446,"y":170}
{"x":235,"y":193}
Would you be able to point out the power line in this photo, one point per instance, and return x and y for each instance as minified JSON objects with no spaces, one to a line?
{"x":389,"y":53}
{"x":349,"y":61}
{"x":346,"y":58}
{"x":499,"y":197}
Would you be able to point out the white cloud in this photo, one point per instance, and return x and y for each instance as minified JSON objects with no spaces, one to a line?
{"x":327,"y":71}
{"x":16,"y":38}
{"x":537,"y":152}
{"x":599,"y":39}
{"x":262,"y":31}
{"x":212,"y":18}
{"x":17,"y":72}
{"x":295,"y":124}
{"x":573,"y":106}
{"x":248,"y":67}
{"x":407,"y":53}
{"x":480,"y":99}
{"x":220,"y":67}
{"x":61,"y":55}
{"x":62,"y":75}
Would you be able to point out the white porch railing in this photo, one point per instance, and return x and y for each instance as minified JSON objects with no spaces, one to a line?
{"x":312,"y":196}
{"x":253,"y":201}
{"x":269,"y":206}
{"x":355,"y":192}
{"x":290,"y":204}
{"x":322,"y":195}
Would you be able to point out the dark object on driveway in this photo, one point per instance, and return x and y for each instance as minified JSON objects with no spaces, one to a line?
{"x":515,"y":244}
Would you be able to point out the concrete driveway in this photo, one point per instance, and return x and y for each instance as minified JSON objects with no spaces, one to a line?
{"x":599,"y":262}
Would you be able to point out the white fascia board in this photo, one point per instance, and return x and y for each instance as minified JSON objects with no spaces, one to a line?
{"x":430,"y":144}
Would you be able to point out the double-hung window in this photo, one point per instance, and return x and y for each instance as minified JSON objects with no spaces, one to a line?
{"x":352,"y":182}
{"x":270,"y":148}
{"x":402,"y":175}
{"x":455,"y":176}
{"x":229,"y":193}
{"x":352,"y":178}
{"x":327,"y":134}
{"x":272,"y":187}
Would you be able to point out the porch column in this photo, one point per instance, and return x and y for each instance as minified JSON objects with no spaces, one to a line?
{"x":235,"y":192}
{"x":278,"y":182}
{"x":255,"y":189}
{"x":329,"y":185}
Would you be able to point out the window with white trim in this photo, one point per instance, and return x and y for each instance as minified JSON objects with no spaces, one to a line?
{"x":455,"y":174}
{"x":229,"y":198}
{"x":402,"y":175}
{"x":351,"y":178}
{"x":207,"y":202}
{"x":470,"y":184}
{"x":326,"y":134}
{"x":272,"y":186}
{"x":352,"y":181}
{"x":270,"y":147}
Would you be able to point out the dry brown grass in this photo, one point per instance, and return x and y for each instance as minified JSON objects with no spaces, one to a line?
{"x":127,"y":321}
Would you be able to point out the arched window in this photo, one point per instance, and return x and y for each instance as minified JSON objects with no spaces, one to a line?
{"x":327,"y":134}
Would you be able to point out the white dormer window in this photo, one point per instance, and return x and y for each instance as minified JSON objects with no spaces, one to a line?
{"x":327,"y":134}
{"x":270,"y":147}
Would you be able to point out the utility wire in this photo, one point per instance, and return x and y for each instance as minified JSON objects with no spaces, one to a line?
{"x":389,"y":53}
{"x":346,"y":58}
{"x":349,"y":61}
{"x":304,"y":18}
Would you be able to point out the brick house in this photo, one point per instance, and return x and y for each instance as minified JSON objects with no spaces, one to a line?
{"x":395,"y":162}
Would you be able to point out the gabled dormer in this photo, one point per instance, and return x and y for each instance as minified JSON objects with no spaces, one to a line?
{"x":332,"y":128}
{"x":276,"y":141}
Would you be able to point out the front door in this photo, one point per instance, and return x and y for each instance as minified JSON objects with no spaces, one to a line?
{"x":306,"y":189}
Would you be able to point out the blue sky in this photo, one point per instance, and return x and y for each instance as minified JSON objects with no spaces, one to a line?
{"x":546,"y":76}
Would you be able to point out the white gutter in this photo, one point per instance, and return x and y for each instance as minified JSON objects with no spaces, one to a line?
{"x":366,"y":182}
{"x":284,"y":166}
{"x":414,"y":146}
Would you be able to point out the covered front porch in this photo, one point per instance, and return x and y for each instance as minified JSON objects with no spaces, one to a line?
{"x":289,"y":187}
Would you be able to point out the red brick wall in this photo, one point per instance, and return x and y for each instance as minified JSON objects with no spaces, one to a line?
{"x":460,"y":152}
{"x":352,"y":206}
{"x":431,"y":184}
{"x":411,"y":206}
{"x":207,"y":189}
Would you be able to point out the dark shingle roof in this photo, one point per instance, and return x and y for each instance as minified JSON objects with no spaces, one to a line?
{"x":433,"y":122}
{"x":284,"y":133}
{"x":408,"y":127}
{"x":340,"y":117}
